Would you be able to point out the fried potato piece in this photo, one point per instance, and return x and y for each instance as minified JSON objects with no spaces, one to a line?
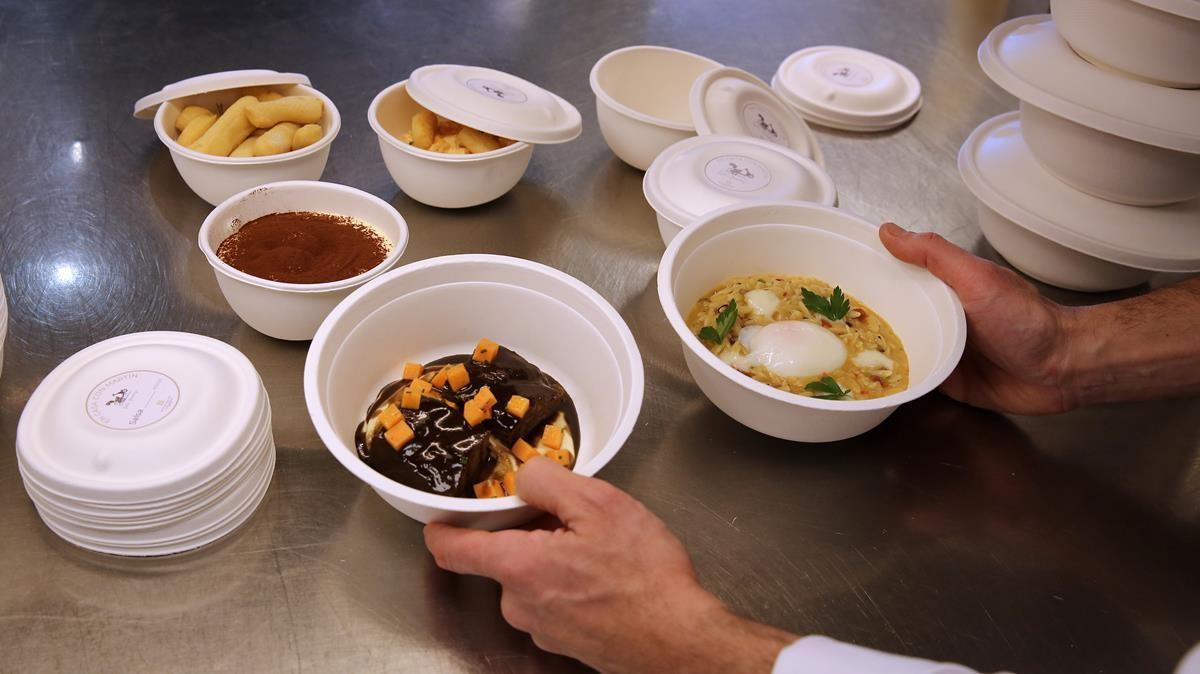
{"x":246,"y":148}
{"x":189,"y":113}
{"x":295,"y":109}
{"x":307,"y":135}
{"x":477,"y":141}
{"x":447,"y":127}
{"x":230,"y":129}
{"x":424,"y":128}
{"x":276,"y":141}
{"x":195,"y":129}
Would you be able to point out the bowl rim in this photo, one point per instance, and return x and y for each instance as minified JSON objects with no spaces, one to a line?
{"x":219,"y":213}
{"x":866,"y":234}
{"x":387,"y":137}
{"x":349,"y":458}
{"x":602,"y":95}
{"x":335,"y":126}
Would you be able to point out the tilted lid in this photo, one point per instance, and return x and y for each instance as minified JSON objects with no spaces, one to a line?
{"x":1030,"y":60}
{"x":732,"y":102}
{"x":847,"y":88}
{"x":996,"y":164}
{"x":495,"y":102}
{"x":201,"y":84}
{"x":701,"y":174}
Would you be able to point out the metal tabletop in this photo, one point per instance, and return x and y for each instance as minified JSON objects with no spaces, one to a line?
{"x":1059,"y":544}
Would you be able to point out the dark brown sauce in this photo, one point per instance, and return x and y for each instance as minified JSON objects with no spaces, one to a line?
{"x":447,"y":456}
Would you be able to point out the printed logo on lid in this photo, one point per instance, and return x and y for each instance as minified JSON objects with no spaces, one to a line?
{"x":761,"y":123}
{"x":736,"y":173}
{"x":132,"y":400}
{"x":848,"y":74}
{"x":496,"y":90}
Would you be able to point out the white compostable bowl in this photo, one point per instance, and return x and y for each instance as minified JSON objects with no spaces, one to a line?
{"x":1113,"y":137}
{"x":443,"y":306}
{"x":1108,"y":166}
{"x":1153,"y":40}
{"x":294,"y":310}
{"x":215,"y":179}
{"x":436,"y":178}
{"x":642,"y":99}
{"x":804,"y":239}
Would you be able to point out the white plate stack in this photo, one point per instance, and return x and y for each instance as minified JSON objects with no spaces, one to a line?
{"x":1097,"y":185}
{"x":147,"y":444}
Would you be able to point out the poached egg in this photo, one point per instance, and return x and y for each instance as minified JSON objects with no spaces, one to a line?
{"x":790,"y":349}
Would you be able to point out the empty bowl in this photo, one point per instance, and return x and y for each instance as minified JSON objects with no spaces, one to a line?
{"x":1153,"y":40}
{"x":294,"y":310}
{"x":804,"y":239}
{"x":443,"y":306}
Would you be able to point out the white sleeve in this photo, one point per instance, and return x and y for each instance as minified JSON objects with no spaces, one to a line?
{"x":822,"y":655}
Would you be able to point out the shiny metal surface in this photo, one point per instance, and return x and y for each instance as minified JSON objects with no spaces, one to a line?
{"x":1064,"y":544}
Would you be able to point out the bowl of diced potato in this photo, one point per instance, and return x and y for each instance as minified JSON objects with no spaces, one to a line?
{"x":226,"y":139}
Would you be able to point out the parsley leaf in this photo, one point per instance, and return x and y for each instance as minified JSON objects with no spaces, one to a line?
{"x":834,"y":308}
{"x":827,"y":389}
{"x":725,"y":320}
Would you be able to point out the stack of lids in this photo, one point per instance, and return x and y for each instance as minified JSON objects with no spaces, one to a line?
{"x":147,"y":444}
{"x":849,"y":89}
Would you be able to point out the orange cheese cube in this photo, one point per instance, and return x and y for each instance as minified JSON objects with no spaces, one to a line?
{"x":485,"y":398}
{"x":488,"y":489}
{"x":562,"y":456}
{"x":485,"y":351}
{"x":399,"y":435}
{"x":523,"y":450}
{"x":439,"y":379}
{"x":517,"y":406}
{"x":413,"y":370}
{"x":473,"y":412}
{"x":421,"y":386}
{"x":458,"y":377}
{"x":410,"y":399}
{"x":552,"y":437}
{"x":509,"y":483}
{"x":390,"y":416}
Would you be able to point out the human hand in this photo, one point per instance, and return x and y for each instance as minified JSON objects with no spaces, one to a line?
{"x":611,"y":586}
{"x":1016,"y":353}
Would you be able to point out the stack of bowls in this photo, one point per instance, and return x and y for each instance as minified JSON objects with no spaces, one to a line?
{"x":147,"y":444}
{"x":1096,"y":185}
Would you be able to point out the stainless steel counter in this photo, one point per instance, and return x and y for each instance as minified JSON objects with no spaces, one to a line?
{"x":1065,"y":544}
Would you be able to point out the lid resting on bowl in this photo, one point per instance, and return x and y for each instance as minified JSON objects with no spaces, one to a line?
{"x":998,"y":167}
{"x":495,"y":102}
{"x":732,"y":102}
{"x":1030,"y":60}
{"x":847,"y":88}
{"x":704,"y":173}
{"x":137,"y":416}
{"x":230,"y":79}
{"x":1189,"y":9}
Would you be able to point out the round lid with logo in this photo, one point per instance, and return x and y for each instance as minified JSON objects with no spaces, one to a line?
{"x":847,"y":88}
{"x":495,"y":102}
{"x":201,"y":84}
{"x":732,"y":102}
{"x":140,"y":417}
{"x":704,"y":173}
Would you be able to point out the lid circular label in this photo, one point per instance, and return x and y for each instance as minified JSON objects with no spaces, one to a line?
{"x":848,"y":74}
{"x":496,"y":90}
{"x":760,"y":122}
{"x":737,"y":173}
{"x":132,"y":400}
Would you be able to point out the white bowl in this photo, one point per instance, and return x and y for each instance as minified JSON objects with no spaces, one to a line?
{"x":294,"y":310}
{"x":435,"y":178}
{"x":1049,"y":262}
{"x":1108,"y":166}
{"x":1139,"y":38}
{"x":558,"y":323}
{"x":804,"y":239}
{"x":642,"y":99}
{"x":215,"y":179}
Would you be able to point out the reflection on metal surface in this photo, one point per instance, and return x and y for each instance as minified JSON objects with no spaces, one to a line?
{"x":1063,"y":544}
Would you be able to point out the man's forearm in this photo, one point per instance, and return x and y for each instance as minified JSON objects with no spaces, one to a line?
{"x":1135,"y":349}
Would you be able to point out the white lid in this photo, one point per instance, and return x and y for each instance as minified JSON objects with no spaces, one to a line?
{"x":230,"y":79}
{"x":1186,"y":8}
{"x":732,"y":102}
{"x":998,"y":167}
{"x":1028,"y":58}
{"x":701,"y":174}
{"x":495,"y":102}
{"x":140,"y":417}
{"x":847,"y":88}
